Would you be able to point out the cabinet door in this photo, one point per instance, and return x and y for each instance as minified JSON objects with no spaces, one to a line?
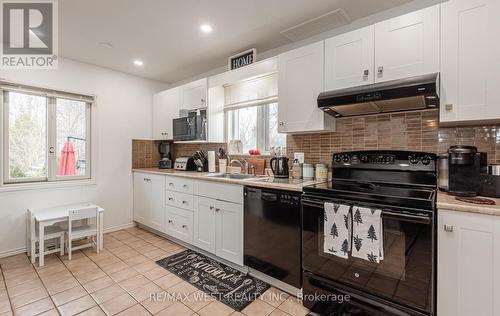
{"x":179,"y":224}
{"x":407,"y":45}
{"x":194,"y":95}
{"x":349,"y":59}
{"x":165,"y":109}
{"x":468,"y":264}
{"x":204,"y":224}
{"x":141,"y":198}
{"x":229,"y":232}
{"x":470,"y":60}
{"x":300,"y":80}
{"x":156,"y":210}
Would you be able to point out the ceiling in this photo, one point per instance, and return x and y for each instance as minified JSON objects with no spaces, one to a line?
{"x":165,"y":34}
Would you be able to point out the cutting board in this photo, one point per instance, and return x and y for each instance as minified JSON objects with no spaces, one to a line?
{"x":258,"y":163}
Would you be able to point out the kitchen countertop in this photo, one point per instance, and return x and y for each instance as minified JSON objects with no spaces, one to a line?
{"x":261,"y":182}
{"x":446,"y":201}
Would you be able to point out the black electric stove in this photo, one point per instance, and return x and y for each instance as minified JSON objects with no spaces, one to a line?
{"x":403,"y":185}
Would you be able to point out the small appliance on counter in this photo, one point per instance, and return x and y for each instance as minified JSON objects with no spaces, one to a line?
{"x":279,"y":166}
{"x":490,"y":182}
{"x":166,"y":160}
{"x":465,"y":165}
{"x":185,"y":164}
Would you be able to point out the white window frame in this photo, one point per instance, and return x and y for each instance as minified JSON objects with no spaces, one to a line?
{"x":262,"y":126}
{"x":51,"y":180}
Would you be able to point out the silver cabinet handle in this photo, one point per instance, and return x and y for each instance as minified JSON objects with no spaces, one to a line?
{"x":217,"y":209}
{"x":448,"y":228}
{"x":448,"y":107}
{"x":380,"y":70}
{"x":211,"y":207}
{"x":366,"y":72}
{"x":170,"y":199}
{"x":282,"y":123}
{"x":52,"y":149}
{"x":171,"y":184}
{"x":184,"y":226}
{"x":184,"y":202}
{"x":147,"y":180}
{"x":170,"y":221}
{"x":185,"y":186}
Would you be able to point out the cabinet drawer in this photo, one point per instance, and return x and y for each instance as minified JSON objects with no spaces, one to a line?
{"x":221,"y":191}
{"x":180,"y":200}
{"x":179,"y":224}
{"x":181,"y":185}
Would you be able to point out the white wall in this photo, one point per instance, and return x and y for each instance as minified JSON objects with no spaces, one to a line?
{"x":123,"y":112}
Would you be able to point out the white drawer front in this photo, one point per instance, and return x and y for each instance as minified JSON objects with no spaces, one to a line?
{"x":181,"y":200}
{"x":179,"y":224}
{"x":221,"y":191}
{"x":181,"y":185}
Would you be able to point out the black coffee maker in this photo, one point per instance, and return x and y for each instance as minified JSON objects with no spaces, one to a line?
{"x":166,"y":160}
{"x":465,"y":166}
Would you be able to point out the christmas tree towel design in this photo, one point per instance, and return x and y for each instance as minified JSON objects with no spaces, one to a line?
{"x":337,"y":230}
{"x":367,"y":233}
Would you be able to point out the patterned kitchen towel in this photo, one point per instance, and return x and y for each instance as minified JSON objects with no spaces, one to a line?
{"x":337,"y":230}
{"x":367,"y":234}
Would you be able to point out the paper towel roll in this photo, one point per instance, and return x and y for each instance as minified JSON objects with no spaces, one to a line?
{"x":211,"y":161}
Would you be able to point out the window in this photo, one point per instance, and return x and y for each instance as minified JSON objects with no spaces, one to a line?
{"x":252,"y":114}
{"x":46,"y":135}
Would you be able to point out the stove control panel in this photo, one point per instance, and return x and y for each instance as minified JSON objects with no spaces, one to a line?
{"x":378,"y":159}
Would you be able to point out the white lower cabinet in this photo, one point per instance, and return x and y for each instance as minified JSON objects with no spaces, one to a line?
{"x":149,"y":200}
{"x":179,"y":223}
{"x":468,"y":264}
{"x":204,"y":224}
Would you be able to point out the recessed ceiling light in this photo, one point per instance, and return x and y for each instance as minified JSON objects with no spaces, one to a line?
{"x":205,"y":28}
{"x":138,"y":62}
{"x":106,"y":44}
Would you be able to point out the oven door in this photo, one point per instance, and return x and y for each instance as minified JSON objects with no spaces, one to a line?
{"x":185,"y":128}
{"x":405,"y":276}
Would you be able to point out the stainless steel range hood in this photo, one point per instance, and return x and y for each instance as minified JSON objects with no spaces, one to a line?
{"x":415,"y":93}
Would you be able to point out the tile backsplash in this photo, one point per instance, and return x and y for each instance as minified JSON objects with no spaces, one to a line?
{"x":416,"y":131}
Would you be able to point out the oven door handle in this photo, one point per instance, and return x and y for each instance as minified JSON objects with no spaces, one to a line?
{"x":415,"y":218}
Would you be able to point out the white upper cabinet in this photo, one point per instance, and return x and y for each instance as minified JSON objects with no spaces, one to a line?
{"x":407,"y":45}
{"x":194,"y":95}
{"x":468,"y":276}
{"x":470,"y":60}
{"x":349,"y":59}
{"x":300,"y":81}
{"x":165,"y":109}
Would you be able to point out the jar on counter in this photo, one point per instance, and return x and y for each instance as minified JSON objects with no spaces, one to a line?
{"x":321,"y":172}
{"x":308,"y":171}
{"x":296,"y":170}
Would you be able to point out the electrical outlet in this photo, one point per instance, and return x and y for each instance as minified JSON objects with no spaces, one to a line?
{"x":299,"y":157}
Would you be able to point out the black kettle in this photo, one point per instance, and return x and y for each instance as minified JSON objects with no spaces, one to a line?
{"x":279,"y":166}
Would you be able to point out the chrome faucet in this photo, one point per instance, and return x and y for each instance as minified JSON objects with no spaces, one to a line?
{"x":244,"y":166}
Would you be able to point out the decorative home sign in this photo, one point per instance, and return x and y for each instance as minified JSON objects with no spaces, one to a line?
{"x":242,"y":59}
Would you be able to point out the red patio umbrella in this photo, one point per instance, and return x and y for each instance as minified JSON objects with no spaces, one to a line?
{"x":67,"y":162}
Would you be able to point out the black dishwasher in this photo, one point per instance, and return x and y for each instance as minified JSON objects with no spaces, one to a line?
{"x":273,"y":234}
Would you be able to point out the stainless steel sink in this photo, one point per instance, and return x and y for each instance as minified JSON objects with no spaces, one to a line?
{"x":237,"y":176}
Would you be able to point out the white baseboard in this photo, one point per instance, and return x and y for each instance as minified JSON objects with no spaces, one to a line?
{"x":13,"y":252}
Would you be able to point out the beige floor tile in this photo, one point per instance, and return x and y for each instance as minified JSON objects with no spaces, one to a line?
{"x":4,"y":305}
{"x":28,"y":298}
{"x":197,"y":300}
{"x":138,"y":244}
{"x":216,"y":308}
{"x":69,"y":295}
{"x":107,"y":260}
{"x":258,"y":308}
{"x":278,"y":312}
{"x":168,"y":281}
{"x":176,"y":309}
{"x":294,"y":307}
{"x":136,"y":310}
{"x":147,"y":248}
{"x":20,"y":279}
{"x":124,"y":255}
{"x":52,"y":312}
{"x":123,"y":274}
{"x":114,"y":267}
{"x":90,"y":276}
{"x":108,"y":293}
{"x":156,"y":253}
{"x":274,"y":297}
{"x":35,"y":308}
{"x":158,"y":302}
{"x":183,"y":288}
{"x":62,"y":286}
{"x":145,"y":266}
{"x":136,"y":260}
{"x":94,"y":311}
{"x":77,"y":306}
{"x":134,"y":282}
{"x":144,"y":292}
{"x":24,"y":288}
{"x":97,"y":284}
{"x":118,"y":304}
{"x":156,"y":273}
{"x":47,"y":272}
